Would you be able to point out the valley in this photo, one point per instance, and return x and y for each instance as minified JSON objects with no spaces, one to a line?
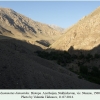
{"x":34,"y":55}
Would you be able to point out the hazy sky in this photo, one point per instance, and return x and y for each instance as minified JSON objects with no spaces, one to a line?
{"x":60,"y":13}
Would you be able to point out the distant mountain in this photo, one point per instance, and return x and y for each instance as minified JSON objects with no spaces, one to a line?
{"x":57,"y":28}
{"x":22,"y":68}
{"x":23,"y":27}
{"x":84,"y":35}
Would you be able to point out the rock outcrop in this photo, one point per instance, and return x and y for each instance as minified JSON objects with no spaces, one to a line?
{"x":23,"y":27}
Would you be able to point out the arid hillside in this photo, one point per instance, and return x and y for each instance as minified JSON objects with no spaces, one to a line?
{"x":21,"y":68}
{"x":24,"y":28}
{"x":57,"y":28}
{"x":84,"y":35}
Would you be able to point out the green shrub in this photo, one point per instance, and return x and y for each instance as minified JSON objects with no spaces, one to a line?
{"x":97,"y":56}
{"x":95,"y":72}
{"x":83,"y":69}
{"x":81,"y":56}
{"x":88,"y":56}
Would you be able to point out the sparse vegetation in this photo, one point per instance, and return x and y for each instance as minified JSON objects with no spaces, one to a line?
{"x":84,"y":69}
{"x":63,"y":58}
{"x":20,"y":68}
{"x":97,"y":56}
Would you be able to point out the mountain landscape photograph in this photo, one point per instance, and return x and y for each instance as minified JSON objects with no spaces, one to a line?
{"x":50,"y":45}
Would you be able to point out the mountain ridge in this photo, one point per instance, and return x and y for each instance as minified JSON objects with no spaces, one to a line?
{"x":24,"y":27}
{"x":22,"y":68}
{"x":82,"y":35}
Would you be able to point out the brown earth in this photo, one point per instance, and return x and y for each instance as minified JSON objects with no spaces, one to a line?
{"x":20,"y":68}
{"x":84,"y":35}
{"x":24,"y":28}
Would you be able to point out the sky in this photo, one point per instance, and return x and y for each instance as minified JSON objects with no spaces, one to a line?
{"x":59,"y":13}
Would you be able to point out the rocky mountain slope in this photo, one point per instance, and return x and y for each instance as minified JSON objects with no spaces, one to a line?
{"x":84,"y":35}
{"x":20,"y":67}
{"x":24,"y":70}
{"x":57,"y":28}
{"x":25,"y":28}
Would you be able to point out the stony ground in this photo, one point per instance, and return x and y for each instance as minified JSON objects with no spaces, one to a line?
{"x":20,"y":68}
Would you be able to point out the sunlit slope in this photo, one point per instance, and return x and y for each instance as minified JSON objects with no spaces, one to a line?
{"x":25,"y":28}
{"x":85,"y":34}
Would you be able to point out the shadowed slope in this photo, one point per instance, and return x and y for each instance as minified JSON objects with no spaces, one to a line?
{"x":20,"y":68}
